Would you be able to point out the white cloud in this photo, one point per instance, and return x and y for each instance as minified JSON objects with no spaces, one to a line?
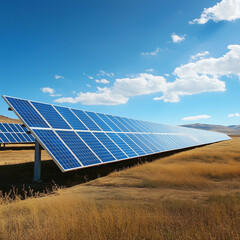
{"x":192,"y":78}
{"x":195,"y":118}
{"x":149,"y":70}
{"x":90,"y":77}
{"x":121,"y":90}
{"x":177,"y":38}
{"x":203,"y":75}
{"x":103,"y":80}
{"x":151,"y":53}
{"x":88,"y":85}
{"x":103,"y":73}
{"x":226,"y":10}
{"x":56,"y":95}
{"x":51,"y":92}
{"x":47,"y":90}
{"x":200,"y":55}
{"x":58,"y":76}
{"x":234,"y":115}
{"x":166,"y":74}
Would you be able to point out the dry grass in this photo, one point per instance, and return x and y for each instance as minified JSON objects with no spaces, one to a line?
{"x":67,"y":217}
{"x":21,"y":154}
{"x":86,"y":211}
{"x":200,"y":168}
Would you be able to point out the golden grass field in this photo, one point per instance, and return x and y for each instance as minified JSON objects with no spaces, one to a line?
{"x":193,"y":194}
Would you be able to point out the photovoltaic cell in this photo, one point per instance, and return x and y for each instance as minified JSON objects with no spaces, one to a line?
{"x":110,"y":145}
{"x":57,"y":149}
{"x":86,"y":120}
{"x":96,"y":146}
{"x":118,"y":141}
{"x":51,"y":115}
{"x":118,"y":123}
{"x":132,"y":144}
{"x":140,"y":143}
{"x":98,"y":121}
{"x":78,"y":147}
{"x":74,"y":122}
{"x":77,"y":139}
{"x":26,"y":111}
{"x":109,"y":122}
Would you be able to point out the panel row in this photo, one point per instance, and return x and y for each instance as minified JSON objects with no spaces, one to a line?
{"x":41,"y":115}
{"x":14,"y":133}
{"x":73,"y":149}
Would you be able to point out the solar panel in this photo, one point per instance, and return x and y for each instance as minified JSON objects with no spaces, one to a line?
{"x":77,"y":139}
{"x":14,"y":133}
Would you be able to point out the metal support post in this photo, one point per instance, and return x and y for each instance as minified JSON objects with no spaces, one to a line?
{"x":37,"y":162}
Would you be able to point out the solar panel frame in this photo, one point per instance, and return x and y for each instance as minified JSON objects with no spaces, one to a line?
{"x":136,"y":127}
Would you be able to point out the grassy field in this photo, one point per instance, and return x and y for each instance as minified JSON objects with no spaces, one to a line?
{"x":193,"y":194}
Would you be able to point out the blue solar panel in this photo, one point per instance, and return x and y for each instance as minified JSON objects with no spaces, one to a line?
{"x":10,"y":133}
{"x":76,"y":138}
{"x":136,"y":125}
{"x":4,"y":138}
{"x":127,"y":124}
{"x":57,"y":149}
{"x":109,"y":122}
{"x":2,"y":128}
{"x":132,"y":144}
{"x":9,"y":129}
{"x":10,"y":138}
{"x":96,"y":146}
{"x":152,"y":144}
{"x":162,"y":145}
{"x":144,"y":139}
{"x":51,"y":115}
{"x":118,"y":141}
{"x":118,"y":123}
{"x":110,"y":145}
{"x":71,"y":118}
{"x":20,"y":136}
{"x":25,"y":109}
{"x":86,"y":120}
{"x":98,"y":121}
{"x":79,"y":148}
{"x":143,"y":146}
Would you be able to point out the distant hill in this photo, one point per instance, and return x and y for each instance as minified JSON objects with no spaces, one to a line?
{"x":230,"y":130}
{"x":8,"y":120}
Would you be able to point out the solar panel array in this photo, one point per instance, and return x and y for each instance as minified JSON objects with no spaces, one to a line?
{"x":77,"y":139}
{"x":14,"y":133}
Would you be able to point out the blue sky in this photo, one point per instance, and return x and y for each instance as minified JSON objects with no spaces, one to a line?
{"x":167,"y":61}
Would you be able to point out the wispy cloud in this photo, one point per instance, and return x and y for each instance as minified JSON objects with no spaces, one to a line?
{"x":50,"y":91}
{"x":234,"y":115}
{"x":177,"y":38}
{"x":47,"y":90}
{"x":151,"y":53}
{"x":149,"y":70}
{"x":200,"y":55}
{"x":90,"y":77}
{"x":191,"y":78}
{"x":103,"y":73}
{"x":196,"y":118}
{"x":103,"y":80}
{"x":226,"y":10}
{"x":88,"y":85}
{"x":58,"y":77}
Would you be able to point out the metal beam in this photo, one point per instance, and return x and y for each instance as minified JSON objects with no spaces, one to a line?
{"x":37,"y":162}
